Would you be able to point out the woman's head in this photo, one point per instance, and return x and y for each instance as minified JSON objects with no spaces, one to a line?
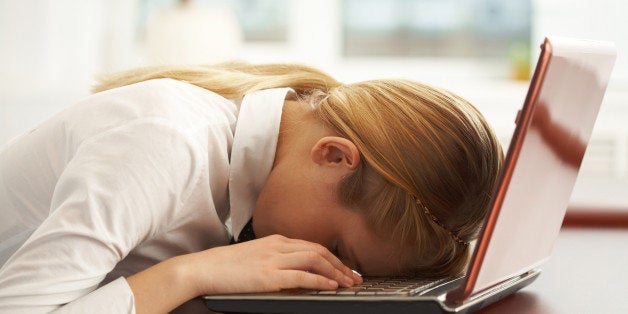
{"x":427,"y":155}
{"x":427,"y":160}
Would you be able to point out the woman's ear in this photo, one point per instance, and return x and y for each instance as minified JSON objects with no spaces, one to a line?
{"x":335,"y":151}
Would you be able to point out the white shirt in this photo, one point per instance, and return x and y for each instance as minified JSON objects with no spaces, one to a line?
{"x":123,"y":180}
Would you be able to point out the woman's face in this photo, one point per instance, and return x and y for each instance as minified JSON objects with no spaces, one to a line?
{"x":299,"y":201}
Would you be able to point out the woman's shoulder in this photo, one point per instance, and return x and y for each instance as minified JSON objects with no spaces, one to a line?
{"x":187,"y":110}
{"x":186,"y":107}
{"x":166,"y":97}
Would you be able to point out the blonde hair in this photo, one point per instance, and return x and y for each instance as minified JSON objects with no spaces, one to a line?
{"x":427,"y":153}
{"x":423,"y":147}
{"x":231,"y":80}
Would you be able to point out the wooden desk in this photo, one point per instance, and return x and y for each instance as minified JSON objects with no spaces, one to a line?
{"x":587,"y":273}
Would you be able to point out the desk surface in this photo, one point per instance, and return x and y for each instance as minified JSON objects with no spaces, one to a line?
{"x":587,"y":273}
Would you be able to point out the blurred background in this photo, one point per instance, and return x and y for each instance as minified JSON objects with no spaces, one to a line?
{"x":484,"y":50}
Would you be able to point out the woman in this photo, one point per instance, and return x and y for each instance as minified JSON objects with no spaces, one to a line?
{"x":128,"y":200}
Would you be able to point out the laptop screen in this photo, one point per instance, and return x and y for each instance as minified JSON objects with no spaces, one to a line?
{"x":542,"y":163}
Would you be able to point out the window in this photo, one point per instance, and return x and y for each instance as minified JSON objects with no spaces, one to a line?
{"x":444,"y":28}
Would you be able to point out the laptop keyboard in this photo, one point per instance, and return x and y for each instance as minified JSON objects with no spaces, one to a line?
{"x":385,"y":286}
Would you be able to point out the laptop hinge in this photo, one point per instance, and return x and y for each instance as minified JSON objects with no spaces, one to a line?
{"x":492,"y":294}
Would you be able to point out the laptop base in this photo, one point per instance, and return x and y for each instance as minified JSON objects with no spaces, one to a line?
{"x":371,"y":304}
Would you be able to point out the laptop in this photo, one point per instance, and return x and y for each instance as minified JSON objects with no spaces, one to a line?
{"x":550,"y":138}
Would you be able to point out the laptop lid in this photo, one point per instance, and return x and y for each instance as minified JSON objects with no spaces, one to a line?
{"x":542,"y":162}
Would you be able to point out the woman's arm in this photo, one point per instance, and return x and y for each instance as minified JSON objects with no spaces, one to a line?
{"x":263,"y":265}
{"x":119,"y":189}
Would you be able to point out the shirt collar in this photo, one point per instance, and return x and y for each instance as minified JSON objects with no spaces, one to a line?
{"x":253,"y":152}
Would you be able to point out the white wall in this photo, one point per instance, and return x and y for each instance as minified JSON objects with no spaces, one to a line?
{"x":49,"y":51}
{"x":600,"y":19}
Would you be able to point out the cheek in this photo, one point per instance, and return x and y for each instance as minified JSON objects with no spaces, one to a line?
{"x":307,"y":224}
{"x":276,"y":212}
{"x":294,"y":220}
{"x":314,"y":231}
{"x":292,"y":207}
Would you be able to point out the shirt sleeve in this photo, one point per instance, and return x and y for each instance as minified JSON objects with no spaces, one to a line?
{"x":118,"y":190}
